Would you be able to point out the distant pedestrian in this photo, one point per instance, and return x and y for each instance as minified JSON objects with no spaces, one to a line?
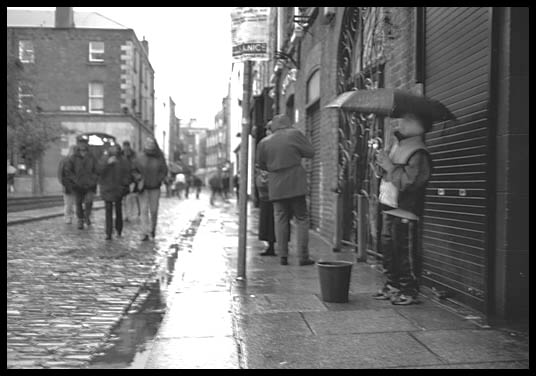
{"x":406,"y":170}
{"x":68,"y":192}
{"x":114,"y":180}
{"x":81,"y":172}
{"x":150,"y":170}
{"x":180,"y":184}
{"x":198,"y":184}
{"x":236,"y":185}
{"x":281,"y":155}
{"x":216,"y":186}
{"x":189,"y":185}
{"x":11,"y":171}
{"x":225,"y":184}
{"x":168,"y":181}
{"x":131,"y":206}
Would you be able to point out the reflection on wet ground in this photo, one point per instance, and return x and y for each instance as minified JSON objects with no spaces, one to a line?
{"x":130,"y":342}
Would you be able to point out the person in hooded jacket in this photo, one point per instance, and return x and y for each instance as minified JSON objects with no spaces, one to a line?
{"x":149,"y":171}
{"x":114,"y":179}
{"x":81,"y":173}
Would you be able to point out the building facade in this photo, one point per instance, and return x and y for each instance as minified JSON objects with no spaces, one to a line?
{"x":91,"y":80}
{"x":474,"y":247}
{"x":191,"y":145}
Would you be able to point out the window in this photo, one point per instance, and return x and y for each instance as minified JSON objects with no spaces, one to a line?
{"x":26,"y":51}
{"x":136,"y":60}
{"x":313,"y":87}
{"x":25,"y":97}
{"x":96,"y":51}
{"x":96,"y":97}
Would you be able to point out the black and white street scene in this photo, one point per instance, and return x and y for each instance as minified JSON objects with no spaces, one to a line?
{"x":267,"y":188}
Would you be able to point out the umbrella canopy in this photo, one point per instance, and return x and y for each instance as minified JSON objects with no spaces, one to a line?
{"x":175,"y":168}
{"x":393,"y":103}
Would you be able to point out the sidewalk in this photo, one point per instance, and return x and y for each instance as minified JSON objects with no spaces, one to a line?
{"x":23,"y":216}
{"x":277,"y":319}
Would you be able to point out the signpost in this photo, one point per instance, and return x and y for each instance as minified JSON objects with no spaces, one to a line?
{"x":250,"y":42}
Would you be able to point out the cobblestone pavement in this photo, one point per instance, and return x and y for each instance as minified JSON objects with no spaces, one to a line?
{"x":68,"y":288}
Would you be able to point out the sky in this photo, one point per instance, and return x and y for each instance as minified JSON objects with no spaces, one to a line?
{"x":189,"y":50}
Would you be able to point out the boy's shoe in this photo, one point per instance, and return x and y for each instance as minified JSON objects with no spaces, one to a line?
{"x":108,"y":237}
{"x":385,"y":293}
{"x":306,"y":262}
{"x":284,"y":261}
{"x":145,"y":238}
{"x":402,"y":299}
{"x":268,"y":252}
{"x":80,"y":224}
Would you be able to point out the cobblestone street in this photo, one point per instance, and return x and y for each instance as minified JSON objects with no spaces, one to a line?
{"x":68,"y":288}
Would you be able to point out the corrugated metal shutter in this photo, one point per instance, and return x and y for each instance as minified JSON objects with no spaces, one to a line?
{"x":457,"y":59}
{"x":313,"y":133}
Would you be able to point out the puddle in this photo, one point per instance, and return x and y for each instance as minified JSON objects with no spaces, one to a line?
{"x":130,"y":343}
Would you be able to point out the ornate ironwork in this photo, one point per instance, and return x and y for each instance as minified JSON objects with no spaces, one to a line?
{"x":360,"y":67}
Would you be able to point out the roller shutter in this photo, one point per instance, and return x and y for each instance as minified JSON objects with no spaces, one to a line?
{"x":313,"y":133}
{"x":457,"y":59}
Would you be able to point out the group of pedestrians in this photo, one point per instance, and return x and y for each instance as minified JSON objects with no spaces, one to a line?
{"x":184,"y":183}
{"x":128,"y":184}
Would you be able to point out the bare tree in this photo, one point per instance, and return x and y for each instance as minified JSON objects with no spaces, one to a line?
{"x":29,"y":131}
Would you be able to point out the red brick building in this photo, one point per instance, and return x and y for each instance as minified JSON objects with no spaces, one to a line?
{"x":86,"y":72}
{"x":474,"y":231}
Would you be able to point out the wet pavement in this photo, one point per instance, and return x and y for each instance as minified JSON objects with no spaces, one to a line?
{"x":277,"y":318}
{"x":68,"y":289}
{"x":77,"y":301}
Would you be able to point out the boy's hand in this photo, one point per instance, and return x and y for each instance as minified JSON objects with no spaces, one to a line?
{"x":383,"y":160}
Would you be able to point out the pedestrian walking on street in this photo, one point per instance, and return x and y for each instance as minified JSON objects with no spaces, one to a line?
{"x":82,"y":175}
{"x":225,"y":184}
{"x":189,"y":184}
{"x":131,"y":206}
{"x":180,"y":184}
{"x":405,"y":171}
{"x":281,"y":155}
{"x":11,"y":171}
{"x":68,"y":193}
{"x":216,"y":186}
{"x":236,"y":185}
{"x":149,"y":171}
{"x":114,"y":181}
{"x":198,"y":183}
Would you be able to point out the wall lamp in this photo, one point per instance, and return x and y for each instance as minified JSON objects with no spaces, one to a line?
{"x":283,"y":59}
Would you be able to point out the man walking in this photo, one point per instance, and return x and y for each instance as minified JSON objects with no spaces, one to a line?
{"x":280,"y":154}
{"x":406,"y":171}
{"x":82,"y":175}
{"x":68,"y":193}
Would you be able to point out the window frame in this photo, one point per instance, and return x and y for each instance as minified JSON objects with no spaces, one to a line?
{"x":21,"y":50}
{"x":91,"y":97}
{"x":93,"y":50}
{"x":27,"y":95}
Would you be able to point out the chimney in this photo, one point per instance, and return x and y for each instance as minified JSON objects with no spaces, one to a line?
{"x":64,"y":17}
{"x":145,"y":45}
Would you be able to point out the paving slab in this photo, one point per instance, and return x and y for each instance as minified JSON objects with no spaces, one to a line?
{"x":466,"y":345}
{"x":378,"y":350}
{"x":434,"y":318}
{"x":282,"y":323}
{"x":265,"y":303}
{"x":353,"y":322}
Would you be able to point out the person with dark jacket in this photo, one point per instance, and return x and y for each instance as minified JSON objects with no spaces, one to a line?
{"x":406,"y":170}
{"x":281,"y":155}
{"x":81,"y":174}
{"x":130,"y":202}
{"x":149,"y":171}
{"x":114,"y":179}
{"x":198,"y":183}
{"x":68,"y":194}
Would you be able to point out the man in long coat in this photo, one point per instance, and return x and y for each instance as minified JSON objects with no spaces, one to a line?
{"x":280,"y":154}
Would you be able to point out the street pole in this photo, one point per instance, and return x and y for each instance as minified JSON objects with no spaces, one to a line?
{"x":243,"y":190}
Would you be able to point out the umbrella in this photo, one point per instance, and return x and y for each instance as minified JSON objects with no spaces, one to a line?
{"x":393,"y":103}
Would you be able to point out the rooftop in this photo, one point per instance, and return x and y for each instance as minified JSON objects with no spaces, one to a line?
{"x":45,"y":18}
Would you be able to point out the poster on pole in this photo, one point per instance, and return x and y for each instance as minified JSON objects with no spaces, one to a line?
{"x":250,"y":33}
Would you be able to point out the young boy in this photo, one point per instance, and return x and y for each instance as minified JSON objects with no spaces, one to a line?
{"x":407,"y":169}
